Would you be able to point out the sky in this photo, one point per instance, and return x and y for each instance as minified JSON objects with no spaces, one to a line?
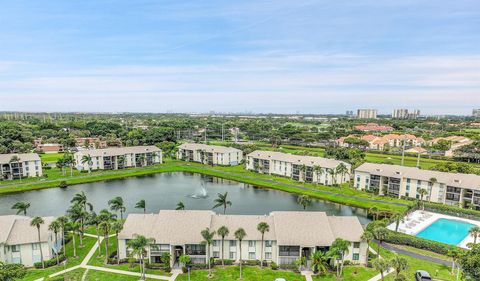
{"x":262,"y":56}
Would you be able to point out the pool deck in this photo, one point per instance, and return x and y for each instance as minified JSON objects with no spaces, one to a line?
{"x":419,"y":220}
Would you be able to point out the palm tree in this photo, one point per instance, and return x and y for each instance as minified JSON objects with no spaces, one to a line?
{"x":63,"y":221}
{"x":304,"y":200}
{"x":475,"y":232}
{"x":374,"y":212}
{"x":21,"y":207}
{"x":222,"y":201}
{"x":342,"y":170}
{"x":94,"y":219}
{"x":142,"y":205}
{"x":422,"y":192}
{"x":454,"y":253}
{"x":16,"y":159}
{"x":397,"y":217}
{"x":207,"y":241}
{"x":37,"y":222}
{"x":116,"y":205}
{"x":367,"y":236}
{"x":141,"y":159}
{"x":105,"y":226}
{"x":185,"y":259}
{"x":55,"y":226}
{"x":333,"y":174}
{"x":78,"y":214}
{"x":61,"y":164}
{"x":87,"y":159}
{"x":380,"y":233}
{"x":121,"y":159}
{"x":180,"y":206}
{"x":138,"y":246}
{"x":262,"y":228}
{"x":240,"y":235}
{"x":223,"y":232}
{"x":382,"y":266}
{"x":318,"y":172}
{"x":74,"y":227}
{"x":81,"y":199}
{"x":340,"y":248}
{"x":398,"y":263}
{"x":303,"y":170}
{"x":116,"y":227}
{"x":319,"y":262}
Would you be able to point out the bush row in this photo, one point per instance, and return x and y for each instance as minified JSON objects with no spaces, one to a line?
{"x":50,"y":262}
{"x":452,"y":210}
{"x":419,"y":243}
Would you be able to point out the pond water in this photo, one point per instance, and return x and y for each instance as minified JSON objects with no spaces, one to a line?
{"x":165,"y":190}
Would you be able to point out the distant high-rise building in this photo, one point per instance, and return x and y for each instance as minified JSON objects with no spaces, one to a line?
{"x":367,"y":113}
{"x":349,"y":113}
{"x":403,"y":113}
{"x":476,"y":113}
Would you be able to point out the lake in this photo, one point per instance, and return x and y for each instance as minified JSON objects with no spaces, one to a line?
{"x":165,"y":190}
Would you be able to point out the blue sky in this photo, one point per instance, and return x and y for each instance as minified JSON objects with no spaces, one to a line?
{"x":280,"y":56}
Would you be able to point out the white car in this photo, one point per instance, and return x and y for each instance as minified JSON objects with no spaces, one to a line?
{"x":280,"y":279}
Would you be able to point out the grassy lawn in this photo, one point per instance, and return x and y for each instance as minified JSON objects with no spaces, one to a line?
{"x":231,"y":273}
{"x":95,"y":275}
{"x":33,"y":274}
{"x":437,"y":271}
{"x":50,"y":157}
{"x":350,"y":273}
{"x":423,"y":252}
{"x":75,"y":275}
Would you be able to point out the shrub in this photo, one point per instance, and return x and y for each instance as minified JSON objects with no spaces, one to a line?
{"x":50,"y":262}
{"x":63,"y":184}
{"x":251,"y":262}
{"x":273,"y":266}
{"x":291,"y":267}
{"x":420,"y":243}
{"x":452,"y":210}
{"x":227,"y":262}
{"x":184,"y":269}
{"x":198,"y":265}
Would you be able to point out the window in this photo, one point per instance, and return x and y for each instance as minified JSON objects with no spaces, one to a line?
{"x":233,"y":243}
{"x":34,"y":246}
{"x":251,"y":243}
{"x":268,"y":243}
{"x":15,"y":248}
{"x":356,"y":245}
{"x":216,"y":254}
{"x":268,"y":256}
{"x":251,"y":256}
{"x":356,"y":257}
{"x":215,"y":243}
{"x":195,"y":250}
{"x":233,"y":256}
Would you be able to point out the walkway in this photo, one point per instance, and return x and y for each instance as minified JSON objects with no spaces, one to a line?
{"x":379,"y":276}
{"x":308,"y":275}
{"x":395,"y":249}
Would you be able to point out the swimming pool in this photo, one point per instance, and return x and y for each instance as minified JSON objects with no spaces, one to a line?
{"x":447,"y":231}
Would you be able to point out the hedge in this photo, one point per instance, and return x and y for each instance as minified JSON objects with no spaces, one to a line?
{"x":399,"y":238}
{"x":50,"y":262}
{"x":453,"y":210}
{"x":226,"y":262}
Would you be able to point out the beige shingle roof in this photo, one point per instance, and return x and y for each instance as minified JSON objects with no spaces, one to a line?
{"x":5,"y":158}
{"x":296,"y":159}
{"x":112,"y":151}
{"x":288,"y":228}
{"x":16,"y":230}
{"x":209,"y":148}
{"x":470,"y":181}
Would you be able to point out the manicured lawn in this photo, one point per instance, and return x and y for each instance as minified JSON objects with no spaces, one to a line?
{"x":423,"y":252}
{"x":95,"y":275}
{"x":50,"y":157}
{"x":231,"y":273}
{"x":350,"y":273}
{"x":75,"y":275}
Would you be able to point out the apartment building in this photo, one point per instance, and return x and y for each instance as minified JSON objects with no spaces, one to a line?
{"x":209,"y":154}
{"x":399,"y":181}
{"x":115,"y":158}
{"x":291,"y":235}
{"x":22,"y":165}
{"x":298,"y":167}
{"x":476,"y":113}
{"x":90,"y":143}
{"x":19,"y":240}
{"x":455,"y":143}
{"x":367,"y":113}
{"x":405,"y":114}
{"x":383,"y":142}
{"x":373,"y":127}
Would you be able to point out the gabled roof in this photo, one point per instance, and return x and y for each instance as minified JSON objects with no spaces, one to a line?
{"x":16,"y":230}
{"x":296,"y":159}
{"x":113,"y":151}
{"x":209,"y":148}
{"x":24,"y":157}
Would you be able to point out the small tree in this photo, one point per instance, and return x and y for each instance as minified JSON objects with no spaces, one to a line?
{"x":367,"y":236}
{"x":207,"y":241}
{"x":380,"y":233}
{"x":475,"y":232}
{"x":262,"y":228}
{"x":319,"y":262}
{"x":222,"y":201}
{"x":422,"y":192}
{"x":21,"y":207}
{"x":116,"y":204}
{"x":180,"y":206}
{"x":223,"y":232}
{"x":399,"y":264}
{"x":37,"y":222}
{"x":141,"y":205}
{"x":304,"y":200}
{"x":138,"y":246}
{"x":382,"y":266}
{"x":240,"y":235}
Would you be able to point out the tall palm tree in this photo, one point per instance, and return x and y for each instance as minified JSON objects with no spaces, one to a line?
{"x":374,"y":212}
{"x":333,"y":174}
{"x":318,"y":172}
{"x":380,"y":233}
{"x":61,"y":164}
{"x":78,"y":214}
{"x":262,"y":228}
{"x":94,"y":219}
{"x":21,"y":207}
{"x":63,"y":221}
{"x":222,"y":201}
{"x":454,"y":253}
{"x":142,"y":205}
{"x":55,"y":227}
{"x":207,"y":241}
{"x":180,"y":206}
{"x":240,"y":235}
{"x":74,"y":227}
{"x":422,"y":192}
{"x":319,"y":262}
{"x":141,"y":159}
{"x":116,"y":227}
{"x":304,"y":200}
{"x":81,"y":199}
{"x":475,"y":232}
{"x":367,"y":236}
{"x":105,"y":226}
{"x":303,"y":170}
{"x":340,"y":249}
{"x":87,"y":159}
{"x":223,"y":232}
{"x":139,"y":248}
{"x":398,"y":263}
{"x":37,"y":222}
{"x":397,"y":217}
{"x":342,"y":170}
{"x":382,"y":266}
{"x":116,"y":204}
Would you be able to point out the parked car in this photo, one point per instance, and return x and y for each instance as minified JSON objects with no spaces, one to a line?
{"x":422,"y":275}
{"x":280,"y":279}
